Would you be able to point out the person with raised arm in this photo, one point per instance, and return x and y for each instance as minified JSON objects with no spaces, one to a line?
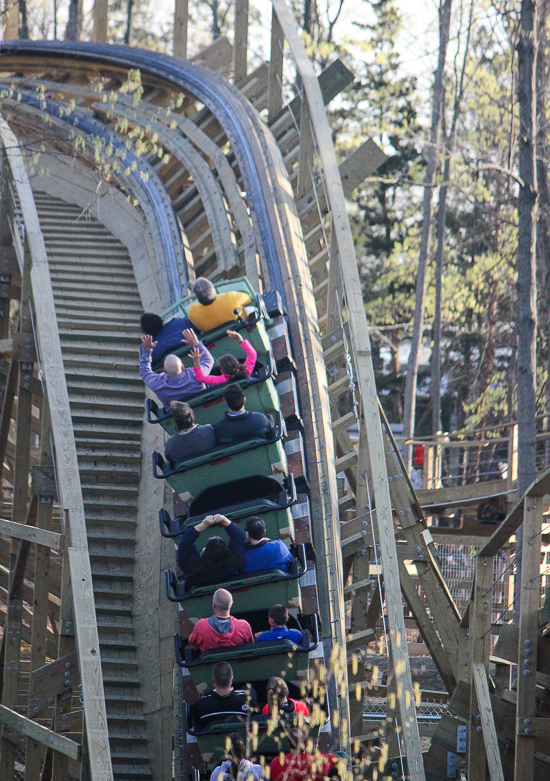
{"x":217,"y":561}
{"x":231,"y":368}
{"x":175,"y":383}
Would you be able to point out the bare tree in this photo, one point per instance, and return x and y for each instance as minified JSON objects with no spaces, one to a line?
{"x":74,"y":24}
{"x":526,"y":263}
{"x":23,"y":21}
{"x":128,"y":31}
{"x":448,"y":147}
{"x":429,"y":179}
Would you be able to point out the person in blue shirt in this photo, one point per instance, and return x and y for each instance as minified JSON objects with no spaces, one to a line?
{"x":166,"y":335}
{"x":278,"y":617}
{"x":262,"y":553}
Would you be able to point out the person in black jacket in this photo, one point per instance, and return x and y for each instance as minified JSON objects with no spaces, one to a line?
{"x":238,"y":423}
{"x":217,"y":561}
{"x":190,"y":439}
{"x":223,"y":702}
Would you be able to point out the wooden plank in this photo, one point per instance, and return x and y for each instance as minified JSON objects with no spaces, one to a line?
{"x":67,"y":469}
{"x":528,"y":634}
{"x":21,"y":531}
{"x":461,"y":495}
{"x":240,"y":43}
{"x":275,"y":78}
{"x":480,"y":648}
{"x":181,"y":21}
{"x":540,"y":487}
{"x":43,"y":735}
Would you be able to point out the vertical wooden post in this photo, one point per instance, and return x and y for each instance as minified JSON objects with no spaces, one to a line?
{"x":35,"y":751}
{"x":24,"y":404}
{"x":181,"y":22}
{"x":480,"y":633}
{"x":305,"y":154}
{"x":240,"y":42}
{"x":528,"y":638}
{"x":512,"y":456}
{"x":275,"y":77}
{"x":101,"y":21}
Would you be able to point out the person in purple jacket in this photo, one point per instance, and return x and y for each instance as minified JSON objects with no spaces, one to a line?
{"x":262,"y":553}
{"x":175,"y":383}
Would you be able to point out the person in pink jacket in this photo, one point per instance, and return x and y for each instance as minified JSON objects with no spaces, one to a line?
{"x":230,"y":367}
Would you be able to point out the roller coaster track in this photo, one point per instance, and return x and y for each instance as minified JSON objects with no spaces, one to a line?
{"x":217,"y":191}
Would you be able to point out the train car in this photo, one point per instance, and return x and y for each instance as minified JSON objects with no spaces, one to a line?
{"x":241,"y":480}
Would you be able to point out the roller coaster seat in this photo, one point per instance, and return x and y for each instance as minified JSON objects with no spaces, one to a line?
{"x":251,"y":661}
{"x":211,"y":740}
{"x":261,"y":396}
{"x":251,"y":591}
{"x":219,"y":465}
{"x":267,"y":497}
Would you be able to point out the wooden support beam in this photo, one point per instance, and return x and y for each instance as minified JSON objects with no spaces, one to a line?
{"x":21,"y":531}
{"x":487,"y":723}
{"x":181,"y":21}
{"x":305,"y":154}
{"x":275,"y":78}
{"x":240,"y":43}
{"x":101,"y":21}
{"x":480,"y":645}
{"x":25,"y":726}
{"x":528,"y":635}
{"x":70,"y":489}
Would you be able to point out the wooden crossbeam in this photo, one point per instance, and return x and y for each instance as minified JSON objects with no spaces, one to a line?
{"x":21,"y":531}
{"x":31,"y":729}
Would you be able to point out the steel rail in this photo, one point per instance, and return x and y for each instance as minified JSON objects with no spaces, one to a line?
{"x":244,"y":129}
{"x":172,"y":246}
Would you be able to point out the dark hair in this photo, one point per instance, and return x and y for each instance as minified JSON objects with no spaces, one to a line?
{"x":215,"y":555}
{"x":231,"y":366}
{"x":222,"y":673}
{"x":278,"y":614}
{"x":234,"y":398}
{"x":151,"y":323}
{"x":255,"y":528}
{"x":183,"y":415}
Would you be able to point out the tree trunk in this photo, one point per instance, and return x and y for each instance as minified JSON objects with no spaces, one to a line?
{"x":543,"y":204}
{"x":128,"y":32}
{"x":429,"y":179}
{"x":526,"y":265}
{"x":72,"y":31}
{"x":23,"y":22}
{"x":441,"y":212}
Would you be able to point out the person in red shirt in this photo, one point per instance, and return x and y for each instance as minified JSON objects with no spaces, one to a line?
{"x":277,"y":698}
{"x":221,"y":629}
{"x":302,"y":765}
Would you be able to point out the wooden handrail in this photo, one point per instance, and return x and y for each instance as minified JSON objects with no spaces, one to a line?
{"x":68,"y":476}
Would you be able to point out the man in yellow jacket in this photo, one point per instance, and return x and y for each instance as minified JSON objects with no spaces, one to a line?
{"x":212,"y":309}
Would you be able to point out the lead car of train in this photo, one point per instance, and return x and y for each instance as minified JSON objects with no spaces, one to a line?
{"x":251,"y":477}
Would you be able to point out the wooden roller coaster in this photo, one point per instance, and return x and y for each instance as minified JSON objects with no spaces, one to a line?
{"x":125,"y":174}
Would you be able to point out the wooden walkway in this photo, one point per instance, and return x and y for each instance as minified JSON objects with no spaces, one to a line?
{"x":98,"y":307}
